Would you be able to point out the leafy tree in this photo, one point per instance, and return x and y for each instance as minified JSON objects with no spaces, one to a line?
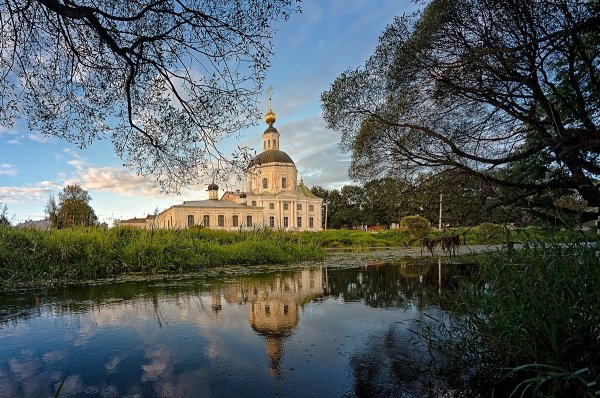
{"x":506,"y":91}
{"x":73,"y":208}
{"x":4,"y":215}
{"x":164,"y":80}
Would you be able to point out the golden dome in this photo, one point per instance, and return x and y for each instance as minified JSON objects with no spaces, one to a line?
{"x":270,"y":117}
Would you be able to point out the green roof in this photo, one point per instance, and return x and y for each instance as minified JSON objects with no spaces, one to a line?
{"x":302,"y":190}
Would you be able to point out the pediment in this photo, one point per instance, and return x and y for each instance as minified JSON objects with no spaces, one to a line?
{"x":287,"y":194}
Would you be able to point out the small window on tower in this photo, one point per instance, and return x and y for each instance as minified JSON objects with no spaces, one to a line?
{"x":271,"y":206}
{"x":284,"y":182}
{"x":265,"y":183}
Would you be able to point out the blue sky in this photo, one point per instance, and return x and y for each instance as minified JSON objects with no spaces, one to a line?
{"x":311,"y":50}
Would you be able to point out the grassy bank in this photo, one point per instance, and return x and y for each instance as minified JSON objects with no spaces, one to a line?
{"x":484,"y":234}
{"x":531,"y":323}
{"x":30,"y":256}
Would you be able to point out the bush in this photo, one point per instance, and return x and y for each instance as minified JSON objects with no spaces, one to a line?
{"x":420,"y":226}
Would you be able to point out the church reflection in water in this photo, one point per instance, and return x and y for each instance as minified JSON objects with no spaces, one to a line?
{"x":273,"y":304}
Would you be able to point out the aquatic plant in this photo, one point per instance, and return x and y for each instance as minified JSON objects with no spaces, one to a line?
{"x":531,"y":323}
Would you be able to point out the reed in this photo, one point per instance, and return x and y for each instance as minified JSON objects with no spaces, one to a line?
{"x":32,"y":256}
{"x":530,"y":324}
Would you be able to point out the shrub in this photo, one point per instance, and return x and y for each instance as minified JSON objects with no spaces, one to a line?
{"x":420,"y":226}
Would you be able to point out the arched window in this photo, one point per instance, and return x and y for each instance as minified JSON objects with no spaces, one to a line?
{"x":265,"y":183}
{"x":283,"y":182}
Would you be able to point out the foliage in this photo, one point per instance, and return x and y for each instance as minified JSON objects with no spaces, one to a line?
{"x":417,"y":224}
{"x":34,"y":256}
{"x":507,"y":92}
{"x":532,"y":320}
{"x":154,"y":77}
{"x":467,"y":201}
{"x":4,"y":215}
{"x":73,"y":209}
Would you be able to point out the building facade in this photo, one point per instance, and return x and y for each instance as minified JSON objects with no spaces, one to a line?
{"x":273,"y":198}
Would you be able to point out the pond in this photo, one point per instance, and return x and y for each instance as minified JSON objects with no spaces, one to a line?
{"x":341,"y":328}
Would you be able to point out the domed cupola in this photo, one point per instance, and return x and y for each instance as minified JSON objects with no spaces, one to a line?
{"x":271,"y":135}
{"x":271,"y":152}
{"x":213,"y":191}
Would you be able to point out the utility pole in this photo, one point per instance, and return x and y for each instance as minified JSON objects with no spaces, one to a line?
{"x":440,"y":220}
{"x":325,"y":213}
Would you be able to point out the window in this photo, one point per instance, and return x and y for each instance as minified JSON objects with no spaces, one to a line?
{"x":221,"y":220}
{"x":271,"y":206}
{"x":311,"y":207}
{"x":249,"y":221}
{"x":254,"y":203}
{"x":299,"y":206}
{"x":190,"y":220}
{"x":299,"y":221}
{"x":265,"y":183}
{"x":285,"y":222}
{"x":311,"y":222}
{"x":206,"y":220}
{"x":284,"y":182}
{"x":272,"y":222}
{"x":274,"y":143}
{"x":286,"y":206}
{"x":235,"y":221}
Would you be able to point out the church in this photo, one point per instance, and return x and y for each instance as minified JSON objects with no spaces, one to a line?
{"x":273,"y":198}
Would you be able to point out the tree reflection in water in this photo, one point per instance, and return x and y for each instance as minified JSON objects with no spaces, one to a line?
{"x":177,"y":331}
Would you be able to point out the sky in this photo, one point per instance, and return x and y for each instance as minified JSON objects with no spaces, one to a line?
{"x":311,"y":49}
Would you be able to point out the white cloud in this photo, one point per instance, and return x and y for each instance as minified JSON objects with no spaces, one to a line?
{"x":13,"y":142}
{"x":39,"y":138}
{"x":8,"y":169}
{"x":106,"y":179}
{"x":19,"y":195}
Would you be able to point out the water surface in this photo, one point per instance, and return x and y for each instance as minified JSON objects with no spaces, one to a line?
{"x":305,"y":332}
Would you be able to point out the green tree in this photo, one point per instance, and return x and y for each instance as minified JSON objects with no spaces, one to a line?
{"x":487,"y":88}
{"x":4,"y":215}
{"x":384,"y":201}
{"x":163,"y":80}
{"x":344,"y":207}
{"x":73,"y":209}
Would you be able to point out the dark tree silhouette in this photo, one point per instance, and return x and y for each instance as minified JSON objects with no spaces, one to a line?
{"x":504,"y":90}
{"x":165,"y":81}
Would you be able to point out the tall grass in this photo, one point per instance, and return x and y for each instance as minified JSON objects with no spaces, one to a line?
{"x":28,"y":255}
{"x":532,"y":322}
{"x":483,"y":234}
